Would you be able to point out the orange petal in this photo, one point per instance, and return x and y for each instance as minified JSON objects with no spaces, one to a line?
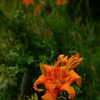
{"x":61,"y":56}
{"x":74,"y":76}
{"x":76,"y":63}
{"x":52,"y":87}
{"x":48,"y":69}
{"x":69,"y":89}
{"x":77,"y":55}
{"x":38,"y":8}
{"x":60,"y":2}
{"x":40,"y":80}
{"x":49,"y":96}
{"x":27,"y":2}
{"x":65,"y":73}
{"x":73,"y":62}
{"x":64,"y":60}
{"x":71,"y":76}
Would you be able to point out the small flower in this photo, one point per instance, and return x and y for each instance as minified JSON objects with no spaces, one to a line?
{"x":59,"y":78}
{"x":61,"y":2}
{"x":37,"y":10}
{"x":27,"y":2}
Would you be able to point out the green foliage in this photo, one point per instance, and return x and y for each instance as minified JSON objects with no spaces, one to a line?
{"x":9,"y":81}
{"x":27,"y":40}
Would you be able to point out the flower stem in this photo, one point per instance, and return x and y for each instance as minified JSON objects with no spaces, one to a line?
{"x":61,"y":97}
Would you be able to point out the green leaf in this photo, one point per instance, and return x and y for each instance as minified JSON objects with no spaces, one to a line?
{"x":35,"y":96}
{"x":43,"y":70}
{"x":30,"y":60}
{"x":3,"y":82}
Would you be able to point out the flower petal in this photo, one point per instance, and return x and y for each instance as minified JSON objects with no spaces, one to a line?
{"x":52,"y":87}
{"x":61,"y":56}
{"x":40,"y":80}
{"x":73,"y":62}
{"x":53,"y":90}
{"x":64,"y":60}
{"x":65,"y":73}
{"x":48,"y":69}
{"x":69,"y":89}
{"x":49,"y":96}
{"x":74,"y":76}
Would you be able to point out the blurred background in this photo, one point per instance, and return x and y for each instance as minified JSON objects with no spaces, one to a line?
{"x":35,"y":31}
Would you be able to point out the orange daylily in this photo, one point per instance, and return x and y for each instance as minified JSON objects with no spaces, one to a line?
{"x":27,"y":2}
{"x":59,"y":78}
{"x":37,"y":9}
{"x":61,"y":2}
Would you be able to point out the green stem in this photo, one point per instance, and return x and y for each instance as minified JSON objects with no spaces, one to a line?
{"x":61,"y":97}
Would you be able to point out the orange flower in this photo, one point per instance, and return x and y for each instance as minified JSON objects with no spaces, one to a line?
{"x":38,"y":9}
{"x":27,"y":2}
{"x":61,"y":2}
{"x":59,"y":78}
